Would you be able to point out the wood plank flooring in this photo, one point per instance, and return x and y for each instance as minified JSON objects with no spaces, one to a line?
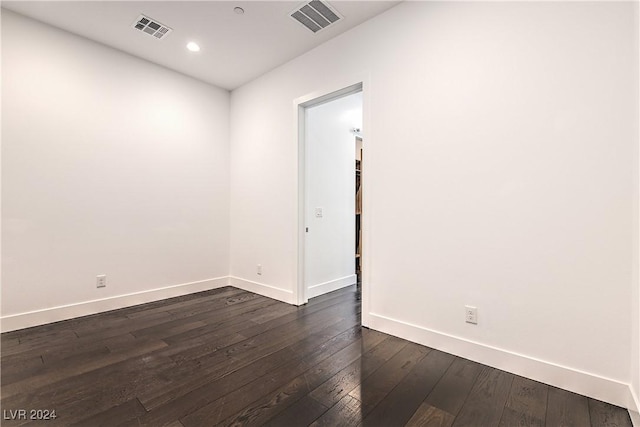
{"x":232,"y":358}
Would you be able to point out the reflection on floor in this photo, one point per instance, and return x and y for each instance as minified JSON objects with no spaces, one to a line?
{"x":228,"y":356}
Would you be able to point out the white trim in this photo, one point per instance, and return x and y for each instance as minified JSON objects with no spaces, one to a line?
{"x":285,"y":295}
{"x":331,"y":285}
{"x":585,"y":383}
{"x":366,"y":217}
{"x":337,"y":89}
{"x":70,"y":311}
{"x":299,"y":288}
{"x":635,"y":414}
{"x":635,"y":305}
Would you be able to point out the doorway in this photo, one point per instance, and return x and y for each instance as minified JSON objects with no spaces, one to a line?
{"x":329,"y":242}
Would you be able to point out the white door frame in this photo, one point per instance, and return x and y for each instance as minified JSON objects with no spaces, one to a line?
{"x":299,"y":106}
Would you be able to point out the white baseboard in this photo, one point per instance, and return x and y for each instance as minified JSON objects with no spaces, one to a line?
{"x":594,"y":386}
{"x":635,"y":414}
{"x":55,"y":314}
{"x":332,"y":285}
{"x":269,"y":291}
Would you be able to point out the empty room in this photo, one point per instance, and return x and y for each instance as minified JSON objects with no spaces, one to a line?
{"x":327,"y":213}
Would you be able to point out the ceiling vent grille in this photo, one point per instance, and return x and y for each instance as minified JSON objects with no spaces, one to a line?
{"x":151,"y":27}
{"x":316,"y":15}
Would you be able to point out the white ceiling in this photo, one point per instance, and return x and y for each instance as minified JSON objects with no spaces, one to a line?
{"x":234,"y":48}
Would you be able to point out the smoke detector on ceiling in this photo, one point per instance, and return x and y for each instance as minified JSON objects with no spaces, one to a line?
{"x":151,"y":27}
{"x":316,"y":15}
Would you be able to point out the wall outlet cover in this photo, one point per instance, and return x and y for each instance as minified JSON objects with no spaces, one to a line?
{"x":471,"y":314}
{"x":101,"y":281}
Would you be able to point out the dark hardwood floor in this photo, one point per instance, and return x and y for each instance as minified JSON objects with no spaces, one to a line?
{"x":230,"y":357}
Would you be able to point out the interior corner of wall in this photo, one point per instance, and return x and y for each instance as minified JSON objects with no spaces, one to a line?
{"x":284,"y":295}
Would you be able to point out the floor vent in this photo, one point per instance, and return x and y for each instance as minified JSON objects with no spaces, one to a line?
{"x":151,"y":27}
{"x":316,"y":15}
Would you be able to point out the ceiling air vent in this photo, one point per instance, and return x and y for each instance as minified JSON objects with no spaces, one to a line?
{"x":151,"y":27}
{"x":316,"y":15}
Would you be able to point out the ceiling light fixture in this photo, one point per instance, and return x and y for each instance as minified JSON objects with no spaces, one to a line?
{"x":238,"y":10}
{"x":193,"y":47}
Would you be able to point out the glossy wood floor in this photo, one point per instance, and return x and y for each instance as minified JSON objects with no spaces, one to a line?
{"x":230,"y":357}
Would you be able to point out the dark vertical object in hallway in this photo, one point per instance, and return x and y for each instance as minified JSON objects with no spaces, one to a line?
{"x":359,"y":210}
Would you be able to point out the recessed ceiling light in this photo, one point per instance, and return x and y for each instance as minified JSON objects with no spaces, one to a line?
{"x":193,"y":47}
{"x":238,"y":10}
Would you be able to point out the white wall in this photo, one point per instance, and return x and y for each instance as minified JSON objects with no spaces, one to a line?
{"x":110,"y":165}
{"x":500,"y":143}
{"x":635,"y":299}
{"x":330,"y":185}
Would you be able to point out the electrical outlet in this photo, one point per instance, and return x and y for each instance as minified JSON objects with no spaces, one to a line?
{"x":101,"y":281}
{"x":259,"y":269}
{"x":471,"y":314}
